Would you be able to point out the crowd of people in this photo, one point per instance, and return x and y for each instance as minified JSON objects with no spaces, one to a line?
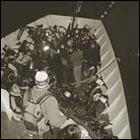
{"x":63,"y":52}
{"x":49,"y":56}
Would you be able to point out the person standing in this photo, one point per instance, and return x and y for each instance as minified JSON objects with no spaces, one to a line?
{"x":56,"y":65}
{"x":76,"y":59}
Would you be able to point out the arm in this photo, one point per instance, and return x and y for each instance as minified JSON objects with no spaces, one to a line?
{"x":13,"y":105}
{"x":51,"y":112}
{"x":13,"y":68}
{"x":72,"y":59}
{"x":24,"y":88}
{"x":25,"y":98}
{"x":82,"y":55}
{"x":19,"y":59}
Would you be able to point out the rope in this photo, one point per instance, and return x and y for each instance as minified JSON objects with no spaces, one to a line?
{"x":106,"y":67}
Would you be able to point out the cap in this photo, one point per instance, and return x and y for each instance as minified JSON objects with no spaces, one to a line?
{"x":41,"y":78}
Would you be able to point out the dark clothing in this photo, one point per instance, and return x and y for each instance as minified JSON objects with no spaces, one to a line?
{"x":38,"y":39}
{"x":56,"y":66}
{"x":92,"y":51}
{"x":95,"y":55}
{"x":92,"y":55}
{"x":8,"y":78}
{"x":18,"y":101}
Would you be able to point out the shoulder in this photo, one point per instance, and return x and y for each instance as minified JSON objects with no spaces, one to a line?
{"x":51,"y":100}
{"x":3,"y":91}
{"x":34,"y":89}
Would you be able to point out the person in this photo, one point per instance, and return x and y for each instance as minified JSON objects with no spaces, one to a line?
{"x":23,"y":62}
{"x":49,"y":107}
{"x":8,"y":74}
{"x":16,"y":99}
{"x":56,"y":65}
{"x":66,"y":69}
{"x":5,"y":104}
{"x":76,"y":59}
{"x":38,"y":37}
{"x":11,"y":126}
{"x":95,"y":58}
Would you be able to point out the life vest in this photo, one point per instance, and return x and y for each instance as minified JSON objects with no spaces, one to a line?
{"x":32,"y":111}
{"x":18,"y":102}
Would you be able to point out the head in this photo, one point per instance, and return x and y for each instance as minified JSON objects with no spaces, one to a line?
{"x":25,"y":42}
{"x":70,"y":42}
{"x":28,"y":53}
{"x":52,"y":51}
{"x":40,"y":26}
{"x":87,"y":28}
{"x":75,"y":49}
{"x":41,"y":79}
{"x":16,"y":50}
{"x":71,"y":131}
{"x":15,"y":88}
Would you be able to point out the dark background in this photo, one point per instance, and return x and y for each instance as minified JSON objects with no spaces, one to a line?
{"x":122,"y":24}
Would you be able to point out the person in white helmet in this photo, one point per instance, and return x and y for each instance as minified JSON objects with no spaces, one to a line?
{"x":49,"y":107}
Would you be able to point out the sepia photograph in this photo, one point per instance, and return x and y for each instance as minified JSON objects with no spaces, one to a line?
{"x":69,"y":69}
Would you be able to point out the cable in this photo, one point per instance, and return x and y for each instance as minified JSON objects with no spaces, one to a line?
{"x":106,"y":67}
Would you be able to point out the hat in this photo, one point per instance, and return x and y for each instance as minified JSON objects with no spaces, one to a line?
{"x":87,"y":28}
{"x":41,"y":78}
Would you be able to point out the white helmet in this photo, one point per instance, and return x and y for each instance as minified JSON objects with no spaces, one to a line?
{"x":41,"y":79}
